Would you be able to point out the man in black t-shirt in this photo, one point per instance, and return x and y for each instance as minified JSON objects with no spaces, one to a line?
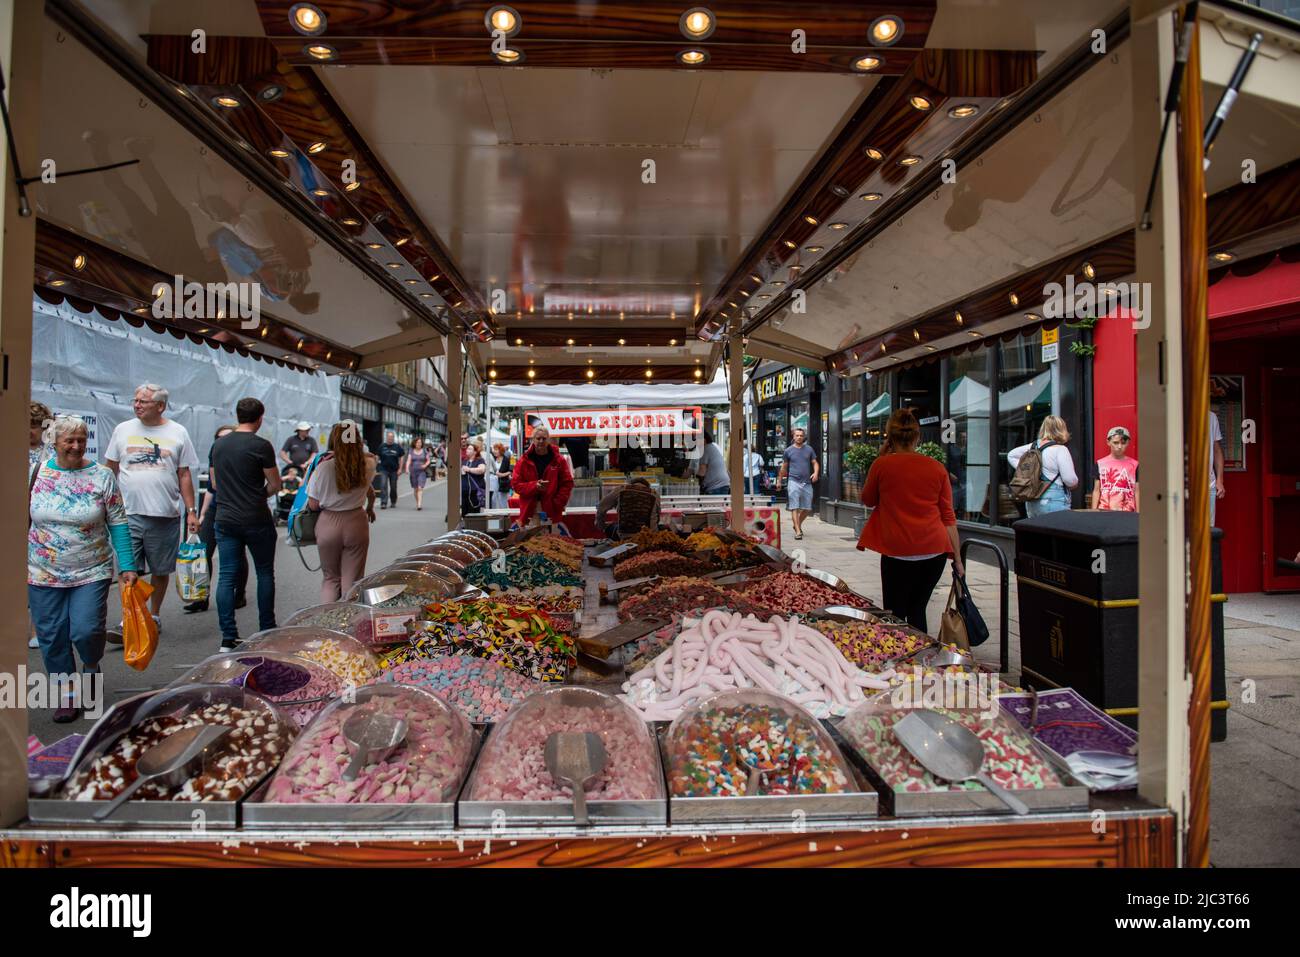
{"x":391,"y":456}
{"x":243,"y":476}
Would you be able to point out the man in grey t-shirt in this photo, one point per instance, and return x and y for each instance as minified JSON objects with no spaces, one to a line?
{"x":714,"y":479}
{"x":799,"y":464}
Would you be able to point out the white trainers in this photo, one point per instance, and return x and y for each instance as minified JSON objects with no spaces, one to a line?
{"x":32,"y":642}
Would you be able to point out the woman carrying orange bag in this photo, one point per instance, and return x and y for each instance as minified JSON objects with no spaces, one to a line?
{"x":77,"y":525}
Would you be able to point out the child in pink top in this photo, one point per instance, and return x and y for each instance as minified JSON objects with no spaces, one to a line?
{"x":1115,"y":477}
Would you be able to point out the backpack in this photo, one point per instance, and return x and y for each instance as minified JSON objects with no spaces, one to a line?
{"x":1028,"y":484}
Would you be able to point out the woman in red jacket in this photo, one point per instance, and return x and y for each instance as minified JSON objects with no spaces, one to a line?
{"x":912,"y":523}
{"x":542,"y":479}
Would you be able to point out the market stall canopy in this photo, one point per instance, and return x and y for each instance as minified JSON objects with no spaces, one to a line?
{"x":607,"y":199}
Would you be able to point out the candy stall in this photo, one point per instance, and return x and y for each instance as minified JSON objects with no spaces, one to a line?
{"x":689,"y":698}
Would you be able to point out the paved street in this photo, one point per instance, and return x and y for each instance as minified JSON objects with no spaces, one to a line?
{"x":186,"y":640}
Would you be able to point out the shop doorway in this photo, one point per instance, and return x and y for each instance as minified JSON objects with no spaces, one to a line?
{"x":918,"y":390}
{"x":1280,"y":476}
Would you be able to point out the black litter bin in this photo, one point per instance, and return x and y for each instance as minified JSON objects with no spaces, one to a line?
{"x":1077,"y":584}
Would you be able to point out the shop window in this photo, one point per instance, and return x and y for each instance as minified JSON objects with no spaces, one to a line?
{"x":968,"y":453}
{"x":1028,"y":392}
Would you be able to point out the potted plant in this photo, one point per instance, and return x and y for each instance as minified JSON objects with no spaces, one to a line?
{"x":857,"y":463}
{"x":934,"y":451}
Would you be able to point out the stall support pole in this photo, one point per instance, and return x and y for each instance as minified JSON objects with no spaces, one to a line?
{"x":20,"y":49}
{"x":1196,"y":341}
{"x":455,"y":427}
{"x":1162,"y":566}
{"x":735,"y":448}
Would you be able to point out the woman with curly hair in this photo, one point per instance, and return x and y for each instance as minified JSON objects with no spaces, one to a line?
{"x":341,"y":490}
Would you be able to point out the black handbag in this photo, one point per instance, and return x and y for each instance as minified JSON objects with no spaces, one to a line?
{"x":977,"y":632}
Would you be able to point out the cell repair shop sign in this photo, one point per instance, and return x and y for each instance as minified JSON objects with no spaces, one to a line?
{"x":92,"y":430}
{"x":578,"y":423}
{"x":1051,"y":344}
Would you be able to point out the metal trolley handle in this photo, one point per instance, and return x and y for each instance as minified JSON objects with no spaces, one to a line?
{"x":1003,"y":597}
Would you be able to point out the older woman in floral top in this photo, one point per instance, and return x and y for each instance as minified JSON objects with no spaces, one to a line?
{"x":78,"y":524}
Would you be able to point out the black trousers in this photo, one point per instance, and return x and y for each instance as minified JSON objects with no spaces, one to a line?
{"x":907,"y":586}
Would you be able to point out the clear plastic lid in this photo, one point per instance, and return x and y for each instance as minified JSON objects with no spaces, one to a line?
{"x":512,"y":766}
{"x":479,"y":548}
{"x":302,"y":688}
{"x":483,"y":537}
{"x":350,"y":618}
{"x":427,"y":767}
{"x":459,"y":555}
{"x":715,"y":747}
{"x":345,"y":656}
{"x":233,"y":766}
{"x":437,"y":567}
{"x":1010,"y":756}
{"x":419,"y":590}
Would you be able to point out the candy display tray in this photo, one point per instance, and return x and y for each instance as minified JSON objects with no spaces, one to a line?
{"x":1072,"y":797}
{"x":558,"y":813}
{"x":772,"y":808}
{"x":117,"y":720}
{"x":260,"y":813}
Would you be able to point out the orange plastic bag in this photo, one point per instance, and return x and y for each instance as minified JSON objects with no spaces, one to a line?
{"x":139,"y":630}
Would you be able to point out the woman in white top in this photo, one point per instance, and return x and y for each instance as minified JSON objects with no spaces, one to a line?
{"x":341,"y":490}
{"x":1058,"y":467}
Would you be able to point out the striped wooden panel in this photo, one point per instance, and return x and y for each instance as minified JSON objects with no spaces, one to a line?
{"x":1140,"y":842}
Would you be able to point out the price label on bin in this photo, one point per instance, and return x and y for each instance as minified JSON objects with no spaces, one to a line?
{"x":393,"y":624}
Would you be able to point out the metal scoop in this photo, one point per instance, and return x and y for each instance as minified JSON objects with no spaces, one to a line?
{"x":371,"y":736}
{"x":381,"y":593}
{"x":950,"y":751}
{"x":575,"y":758}
{"x":169,"y":761}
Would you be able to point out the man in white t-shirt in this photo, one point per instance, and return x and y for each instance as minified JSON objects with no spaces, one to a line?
{"x":152,"y":457}
{"x":1217,"y":491}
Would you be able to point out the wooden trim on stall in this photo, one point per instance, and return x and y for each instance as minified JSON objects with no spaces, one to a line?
{"x":1126,"y":841}
{"x":122,"y":287}
{"x":1194,"y":255}
{"x":887,"y":122}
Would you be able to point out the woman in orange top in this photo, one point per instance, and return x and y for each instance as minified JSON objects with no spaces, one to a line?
{"x":912,"y":524}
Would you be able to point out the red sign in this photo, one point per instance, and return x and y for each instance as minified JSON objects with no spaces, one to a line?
{"x":575,"y":423}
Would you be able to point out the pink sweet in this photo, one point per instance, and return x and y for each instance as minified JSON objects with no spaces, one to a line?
{"x":427,"y":767}
{"x":513,"y":764}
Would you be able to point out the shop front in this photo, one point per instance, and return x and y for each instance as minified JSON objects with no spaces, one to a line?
{"x":973,"y":407}
{"x":380,"y":407}
{"x":1254,"y":310}
{"x":786,"y":398}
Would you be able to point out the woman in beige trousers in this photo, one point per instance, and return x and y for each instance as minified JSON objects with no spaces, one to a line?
{"x":341,"y":490}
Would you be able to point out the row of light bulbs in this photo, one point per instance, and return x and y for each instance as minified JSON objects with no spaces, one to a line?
{"x":697,"y":23}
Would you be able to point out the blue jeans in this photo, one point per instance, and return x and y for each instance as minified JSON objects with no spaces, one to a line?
{"x":260,"y":541}
{"x":751,"y":486}
{"x":1055,"y":499}
{"x":68,"y":618}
